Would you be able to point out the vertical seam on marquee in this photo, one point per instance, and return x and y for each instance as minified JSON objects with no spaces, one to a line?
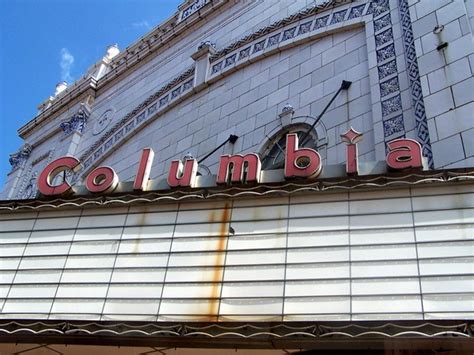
{"x":416,"y":251}
{"x":163,"y":283}
{"x":19,"y":263}
{"x":113,"y":265}
{"x":65,"y":262}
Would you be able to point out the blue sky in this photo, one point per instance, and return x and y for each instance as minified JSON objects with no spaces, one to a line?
{"x":43,"y":42}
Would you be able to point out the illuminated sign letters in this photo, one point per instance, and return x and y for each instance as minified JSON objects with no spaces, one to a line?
{"x":233,"y":169}
{"x":302,"y":162}
{"x":51,"y":171}
{"x":404,"y":154}
{"x":144,"y":168}
{"x":241,"y":168}
{"x":182,"y":175}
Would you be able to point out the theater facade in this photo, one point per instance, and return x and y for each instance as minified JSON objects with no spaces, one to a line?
{"x":255,"y":177}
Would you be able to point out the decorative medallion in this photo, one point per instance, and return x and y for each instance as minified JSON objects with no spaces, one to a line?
{"x":103,"y":121}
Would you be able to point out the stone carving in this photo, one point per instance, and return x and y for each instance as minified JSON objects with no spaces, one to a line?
{"x":288,"y":34}
{"x":195,"y":6}
{"x":273,"y":40}
{"x":390,"y":86}
{"x":76,"y":123}
{"x":17,"y":159}
{"x":393,"y":126}
{"x":255,"y":42}
{"x":30,"y":189}
{"x":338,"y":17}
{"x":421,"y":123}
{"x":287,"y":109}
{"x":206,"y":44}
{"x":356,"y":11}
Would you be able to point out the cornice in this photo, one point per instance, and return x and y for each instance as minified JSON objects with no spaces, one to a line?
{"x":62,"y":101}
{"x":158,"y":38}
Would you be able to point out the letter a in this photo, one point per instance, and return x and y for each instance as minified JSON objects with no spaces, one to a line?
{"x":404,"y":153}
{"x":180,"y":175}
{"x":304,"y":162}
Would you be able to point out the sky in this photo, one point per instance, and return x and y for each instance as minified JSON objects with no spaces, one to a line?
{"x":44,"y":42}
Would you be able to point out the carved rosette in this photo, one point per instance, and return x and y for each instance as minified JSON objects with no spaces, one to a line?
{"x":76,"y":123}
{"x":17,"y":159}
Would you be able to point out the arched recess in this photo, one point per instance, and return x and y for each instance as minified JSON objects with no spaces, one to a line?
{"x":306,"y":26}
{"x":272,"y":151}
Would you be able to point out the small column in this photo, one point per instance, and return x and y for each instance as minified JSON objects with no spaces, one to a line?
{"x":202,"y":59}
{"x":74,"y":127}
{"x":18,"y":163}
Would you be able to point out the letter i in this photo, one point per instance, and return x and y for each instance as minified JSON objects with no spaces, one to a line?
{"x":351,"y":138}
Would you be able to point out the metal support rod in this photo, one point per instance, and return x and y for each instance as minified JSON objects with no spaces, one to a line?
{"x":344,"y":86}
{"x":232,"y":139}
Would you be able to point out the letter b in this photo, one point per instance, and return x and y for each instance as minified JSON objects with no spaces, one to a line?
{"x":303,"y":162}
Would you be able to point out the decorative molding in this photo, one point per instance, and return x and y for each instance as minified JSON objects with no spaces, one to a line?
{"x":297,"y":27}
{"x":28,"y":187}
{"x":287,"y":109}
{"x":450,"y":331}
{"x":389,"y":84}
{"x":194,"y":7}
{"x":290,"y":33}
{"x":285,"y":30}
{"x":40,"y":158}
{"x":77,"y":122}
{"x":306,"y":23}
{"x":206,"y":44}
{"x":421,"y":123}
{"x":134,"y":120}
{"x":19,"y":158}
{"x":103,"y":121}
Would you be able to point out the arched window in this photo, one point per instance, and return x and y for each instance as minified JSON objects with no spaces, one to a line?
{"x":273,"y":153}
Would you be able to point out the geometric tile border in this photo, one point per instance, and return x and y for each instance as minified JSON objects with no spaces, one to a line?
{"x":308,"y":22}
{"x":421,"y":123}
{"x":303,"y":24}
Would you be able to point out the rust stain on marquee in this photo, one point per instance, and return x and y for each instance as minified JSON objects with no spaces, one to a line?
{"x":138,"y":241}
{"x":223,"y":219}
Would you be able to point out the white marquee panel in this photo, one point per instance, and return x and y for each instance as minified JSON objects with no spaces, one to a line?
{"x":393,"y":254}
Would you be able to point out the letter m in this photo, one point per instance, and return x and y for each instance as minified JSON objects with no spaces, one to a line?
{"x":239,"y":169}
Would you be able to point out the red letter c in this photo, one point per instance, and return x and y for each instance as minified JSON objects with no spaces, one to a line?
{"x":51,"y":170}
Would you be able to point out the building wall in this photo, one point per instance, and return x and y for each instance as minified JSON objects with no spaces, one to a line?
{"x":402,"y":86}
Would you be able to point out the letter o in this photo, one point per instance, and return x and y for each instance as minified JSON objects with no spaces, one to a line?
{"x":102,"y":179}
